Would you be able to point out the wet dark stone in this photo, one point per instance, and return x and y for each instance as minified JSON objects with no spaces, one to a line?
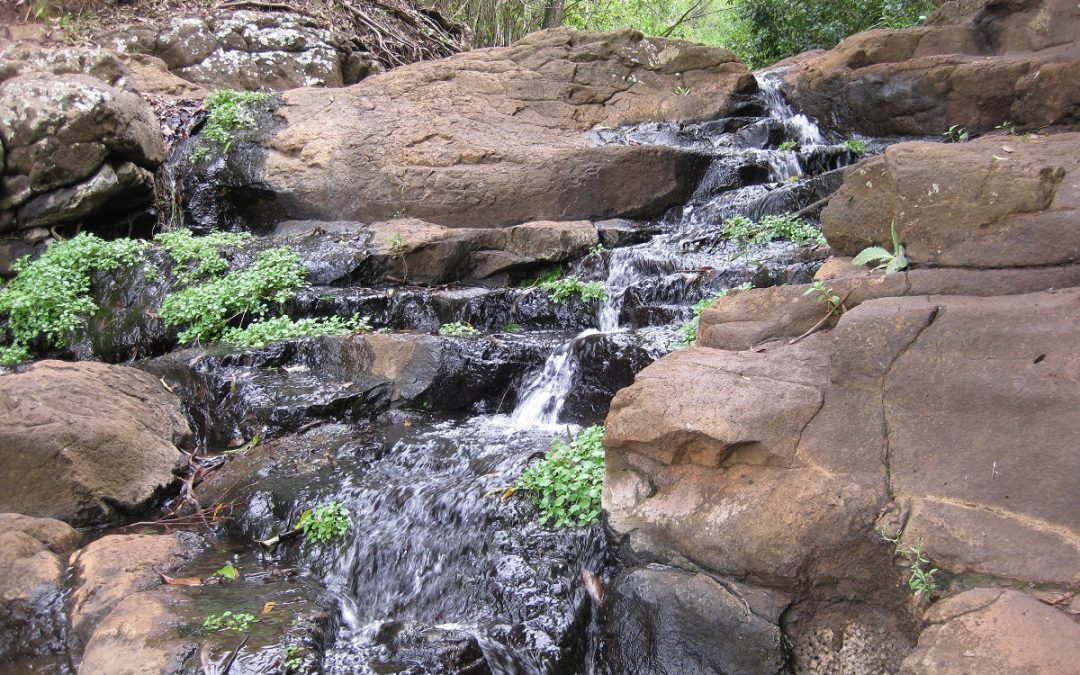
{"x":609,"y":362}
{"x":665,"y":621}
{"x":233,"y":395}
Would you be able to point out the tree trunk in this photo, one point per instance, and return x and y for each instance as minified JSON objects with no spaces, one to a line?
{"x":553,"y":14}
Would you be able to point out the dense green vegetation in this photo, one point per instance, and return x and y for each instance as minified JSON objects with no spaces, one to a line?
{"x":205,"y":311}
{"x":325,"y":522}
{"x":199,"y":257}
{"x":566,"y":485}
{"x":786,"y":226}
{"x":560,"y":290}
{"x":759,"y":31}
{"x":265,"y":331}
{"x":229,"y":112}
{"x":50,"y":297}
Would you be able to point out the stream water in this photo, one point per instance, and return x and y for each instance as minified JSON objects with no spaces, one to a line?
{"x":441,"y":573}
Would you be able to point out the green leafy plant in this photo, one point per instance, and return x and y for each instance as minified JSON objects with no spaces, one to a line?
{"x":566,"y":484}
{"x":688,"y":332}
{"x":560,"y":290}
{"x":596,"y":251}
{"x":293,"y":659}
{"x":512,"y":327}
{"x":199,"y":257}
{"x":458,"y":329}
{"x":266,"y":331}
{"x":893,"y":261}
{"x":229,"y":112}
{"x":49,"y":298}
{"x":787,"y":226}
{"x":206,"y":310}
{"x":825,"y":295}
{"x":682,"y":91}
{"x":227,"y":572}
{"x":788,"y":146}
{"x":920,"y":576}
{"x":957,"y":134}
{"x":228,"y":620}
{"x":550,"y":274}
{"x":398,"y":248}
{"x":1008,"y":127}
{"x":855,"y":145}
{"x":325,"y":522}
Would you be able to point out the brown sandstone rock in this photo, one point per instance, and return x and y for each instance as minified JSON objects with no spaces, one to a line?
{"x":994,"y":202}
{"x":981,"y":416}
{"x":994,"y":631}
{"x":977,"y":66}
{"x":772,"y":465}
{"x":33,"y":554}
{"x":116,"y":567}
{"x":746,"y":318}
{"x":85,"y":442}
{"x":141,"y":636}
{"x":495,"y":137}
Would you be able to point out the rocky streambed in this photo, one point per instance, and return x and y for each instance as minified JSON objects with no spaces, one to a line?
{"x":529,"y":234}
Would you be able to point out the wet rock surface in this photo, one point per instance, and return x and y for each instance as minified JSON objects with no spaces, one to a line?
{"x":661,"y":620}
{"x":33,"y":560}
{"x":87,"y":442}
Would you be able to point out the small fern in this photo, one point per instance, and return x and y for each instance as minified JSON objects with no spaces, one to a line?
{"x":893,"y":261}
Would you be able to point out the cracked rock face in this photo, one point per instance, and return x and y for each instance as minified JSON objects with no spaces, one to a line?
{"x":250,"y":50}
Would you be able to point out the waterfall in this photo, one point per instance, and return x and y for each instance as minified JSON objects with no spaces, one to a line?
{"x":798,"y":126}
{"x":544,"y":397}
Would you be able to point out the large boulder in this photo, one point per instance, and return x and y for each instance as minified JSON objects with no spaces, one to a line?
{"x":77,"y":142}
{"x":247,"y":49}
{"x":33,"y":560}
{"x":977,"y":67}
{"x":495,"y":137}
{"x":86,"y":442}
{"x":992,"y":203}
{"x":773,"y":465}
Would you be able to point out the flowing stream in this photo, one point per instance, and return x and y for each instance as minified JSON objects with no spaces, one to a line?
{"x":444,"y":571}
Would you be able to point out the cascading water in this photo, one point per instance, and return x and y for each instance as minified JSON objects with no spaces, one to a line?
{"x":543,"y":399}
{"x":444,"y":571}
{"x":800,"y":128}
